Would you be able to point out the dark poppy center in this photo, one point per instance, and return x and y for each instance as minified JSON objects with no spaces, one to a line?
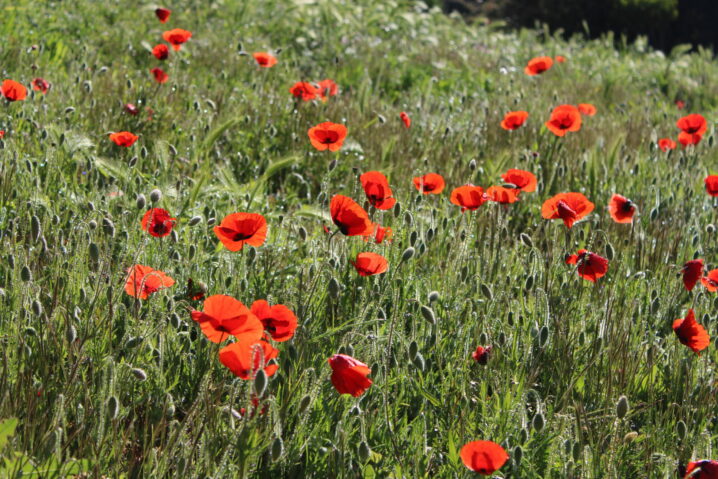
{"x":239,"y":236}
{"x":329,"y":137}
{"x":627,"y":207}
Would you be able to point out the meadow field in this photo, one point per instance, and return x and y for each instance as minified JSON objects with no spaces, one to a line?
{"x":142,"y":349}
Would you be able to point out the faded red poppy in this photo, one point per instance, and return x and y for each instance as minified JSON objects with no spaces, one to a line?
{"x":278,"y":320}
{"x":538,"y":65}
{"x":176,"y":37}
{"x":500,"y":194}
{"x":590,"y":265}
{"x":710,"y":280}
{"x":160,"y":75}
{"x":692,"y":271}
{"x":587,"y":109}
{"x":621,"y":209}
{"x":327,"y":135}
{"x":369,"y":264}
{"x":303,"y":90}
{"x":131,"y":109}
{"x":564,"y":118}
{"x":351,"y":218}
{"x":481,"y":355}
{"x":158,"y":222}
{"x":163,"y":14}
{"x":513,"y":120}
{"x":380,"y":234}
{"x":430,"y":184}
{"x":13,"y":91}
{"x":469,"y":197}
{"x":264,"y":59}
{"x":570,"y":207}
{"x":143,"y":281}
{"x":523,"y":180}
{"x":349,"y":376}
{"x":484,"y":457}
{"x":704,"y":469}
{"x":223,"y":316}
{"x":690,"y":333}
{"x":711,"y":182}
{"x":239,"y":229}
{"x":692,"y":127}
{"x":666,"y":144}
{"x":327,"y":88}
{"x":377,"y":190}
{"x":245,"y":358}
{"x":41,"y":85}
{"x":195,"y":292}
{"x":560,"y":58}
{"x":161,"y":52}
{"x":405,"y":119}
{"x":680,"y":104}
{"x":124,"y":138}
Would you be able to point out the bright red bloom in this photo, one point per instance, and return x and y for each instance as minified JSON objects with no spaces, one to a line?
{"x":666,"y":144}
{"x":124,"y":138}
{"x":377,"y":190}
{"x":163,"y":14}
{"x":405,"y":119}
{"x":223,"y":316}
{"x":351,"y":218}
{"x":143,"y":281}
{"x":481,"y":355}
{"x":131,"y":109}
{"x":564,"y":118}
{"x":690,"y":333}
{"x":304,"y":90}
{"x":704,"y":469}
{"x":369,"y":264}
{"x":693,"y":128}
{"x":264,"y":59}
{"x":2,"y":134}
{"x":711,"y":182}
{"x":560,"y":58}
{"x":570,"y":207}
{"x":514,"y":120}
{"x":680,"y":104}
{"x":278,"y":320}
{"x":590,"y":265}
{"x":523,"y":180}
{"x":41,"y":85}
{"x":538,"y":65}
{"x":327,"y":135}
{"x":161,"y":52}
{"x":692,"y":271}
{"x":430,"y":183}
{"x":380,"y":234}
{"x":160,"y":75}
{"x":349,"y":376}
{"x":469,"y":197}
{"x":239,"y":229}
{"x":176,"y":37}
{"x":245,"y":358}
{"x":587,"y":109}
{"x":710,"y":280}
{"x":484,"y":457}
{"x":621,"y":209}
{"x":327,"y":88}
{"x":500,"y":194}
{"x":13,"y":90}
{"x":158,"y":222}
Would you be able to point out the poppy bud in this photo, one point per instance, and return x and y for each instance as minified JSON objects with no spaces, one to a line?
{"x":408,"y":218}
{"x":538,"y":422}
{"x":30,"y":331}
{"x":36,"y":307}
{"x":140,"y":374}
{"x":543,"y":336}
{"x":302,"y":233}
{"x":430,"y":233}
{"x":155,"y":195}
{"x":567,"y":446}
{"x":11,"y":261}
{"x":195,"y":220}
{"x":413,"y":237}
{"x":486,"y":291}
{"x":529,"y":284}
{"x":25,"y":274}
{"x":141,"y":201}
{"x":35,"y":227}
{"x":397,"y":209}
{"x":380,"y":313}
{"x":433,"y":296}
{"x":523,"y":435}
{"x":413,"y":350}
{"x":333,"y":164}
{"x":94,"y":253}
{"x":176,"y":256}
{"x":175,"y":320}
{"x":419,"y":361}
{"x":304,"y":403}
{"x":622,"y":407}
{"x":334,"y":288}
{"x":260,"y":383}
{"x":472,"y":165}
{"x":428,"y":314}
{"x":69,"y":110}
{"x":526,"y":239}
{"x":133,"y":342}
{"x":681,"y":429}
{"x":113,"y":407}
{"x":381,"y":118}
{"x":517,"y":454}
{"x":408,"y":254}
{"x":363,"y":452}
{"x":92,"y":224}
{"x":577,"y":450}
{"x":654,"y":214}
{"x":71,"y":334}
{"x":277,"y":448}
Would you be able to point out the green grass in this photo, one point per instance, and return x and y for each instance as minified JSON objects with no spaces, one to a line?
{"x":226,"y":136}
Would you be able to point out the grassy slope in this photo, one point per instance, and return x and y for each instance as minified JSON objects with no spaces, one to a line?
{"x":241,"y":146}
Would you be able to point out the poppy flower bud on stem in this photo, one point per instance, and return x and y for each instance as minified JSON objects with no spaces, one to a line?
{"x":35,"y":228}
{"x":538,"y":422}
{"x":25,"y":274}
{"x":304,"y":403}
{"x":140,"y":374}
{"x":622,"y":407}
{"x":364,"y":451}
{"x":428,"y":314}
{"x":195,"y":220}
{"x":334,"y":288}
{"x":36,"y":308}
{"x":113,"y":407}
{"x":155,"y":195}
{"x":260,"y":383}
{"x":277,"y":448}
{"x":408,"y":254}
{"x":681,"y":430}
{"x":141,"y":201}
{"x":71,"y":334}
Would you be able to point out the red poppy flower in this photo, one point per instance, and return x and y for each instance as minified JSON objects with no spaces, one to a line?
{"x":570,"y":207}
{"x":680,"y":104}
{"x":711,"y":182}
{"x":481,"y":355}
{"x":2,"y":134}
{"x":142,"y":281}
{"x":41,"y":85}
{"x":278,"y":320}
{"x":704,"y":469}
{"x":560,"y":58}
{"x":327,"y":88}
{"x":160,"y":75}
{"x":223,"y":316}
{"x":369,"y":264}
{"x":692,"y":271}
{"x":430,"y":184}
{"x":327,"y":135}
{"x":13,"y":91}
{"x":514,"y":120}
{"x":239,"y":229}
{"x":590,"y":265}
{"x":349,"y":376}
{"x":124,"y":138}
{"x":377,"y":190}
{"x":176,"y":37}
{"x":351,"y":218}
{"x":538,"y":65}
{"x":245,"y":358}
{"x":564,"y":118}
{"x":158,"y":222}
{"x":161,"y":52}
{"x":621,"y":209}
{"x":587,"y":109}
{"x":469,"y":197}
{"x":163,"y":14}
{"x":666,"y":144}
{"x":690,"y":333}
{"x":304,"y":90}
{"x":380,"y":234}
{"x":264,"y":59}
{"x":710,"y":280}
{"x":131,"y":109}
{"x":484,"y":457}
{"x":693,"y":127}
{"x":405,"y":119}
{"x":500,"y":194}
{"x":523,"y":180}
